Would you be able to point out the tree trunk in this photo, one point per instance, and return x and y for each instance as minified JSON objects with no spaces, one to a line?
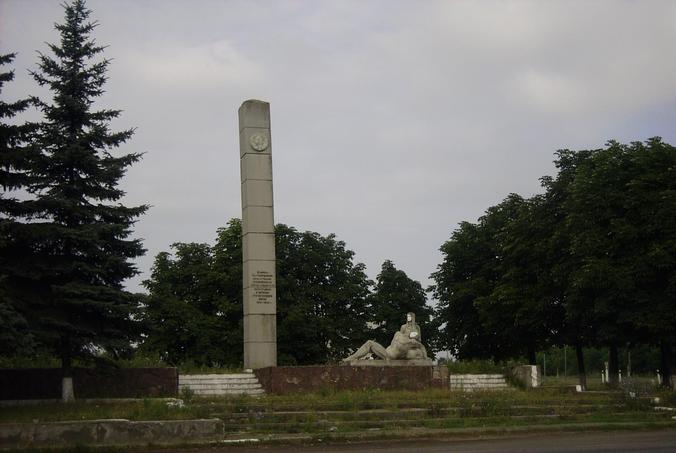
{"x":532,"y":359}
{"x":665,"y":356}
{"x":613,"y":366}
{"x":629,"y":362}
{"x":582,"y":374}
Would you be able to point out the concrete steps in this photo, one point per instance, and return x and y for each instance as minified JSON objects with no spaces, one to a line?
{"x":472,"y":382}
{"x":220,"y":384}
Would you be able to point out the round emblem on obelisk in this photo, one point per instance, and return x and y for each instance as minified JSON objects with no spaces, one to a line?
{"x":259,"y":142}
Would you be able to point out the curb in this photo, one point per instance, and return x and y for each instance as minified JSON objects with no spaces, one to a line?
{"x":210,"y":432}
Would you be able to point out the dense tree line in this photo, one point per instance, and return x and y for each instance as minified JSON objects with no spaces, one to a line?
{"x":591,"y":262}
{"x":326,"y":306}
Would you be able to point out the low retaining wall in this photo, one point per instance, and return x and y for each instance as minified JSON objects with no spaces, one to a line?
{"x":108,"y":433}
{"x":281,"y":380}
{"x":45,"y":383}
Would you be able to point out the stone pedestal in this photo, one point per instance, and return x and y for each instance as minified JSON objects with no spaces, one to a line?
{"x":281,"y":380}
{"x":258,"y":236}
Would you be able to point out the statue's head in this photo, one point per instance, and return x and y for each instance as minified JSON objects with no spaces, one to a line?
{"x":410,"y":317}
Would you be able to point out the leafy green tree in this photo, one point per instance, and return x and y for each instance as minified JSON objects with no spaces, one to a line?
{"x":458,"y":282}
{"x":467,"y":276}
{"x":577,"y":326}
{"x":191,"y":314}
{"x":394,"y":295}
{"x":79,"y":231}
{"x":652,"y":202}
{"x":186,"y":314}
{"x":652,"y":197}
{"x":321,"y":298}
{"x":606,"y":244}
{"x":591,"y":262}
{"x":621,"y":209}
{"x":194,"y":310}
{"x":521,"y":304}
{"x":15,"y":158}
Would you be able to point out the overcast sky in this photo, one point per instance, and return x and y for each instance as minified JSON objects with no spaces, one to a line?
{"x":392,"y":121}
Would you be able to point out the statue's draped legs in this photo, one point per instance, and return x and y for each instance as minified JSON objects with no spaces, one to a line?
{"x":370,"y":347}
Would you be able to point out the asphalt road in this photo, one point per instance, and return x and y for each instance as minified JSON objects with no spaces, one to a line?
{"x":641,"y":441}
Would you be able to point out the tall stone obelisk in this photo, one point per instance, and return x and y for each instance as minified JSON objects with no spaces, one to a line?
{"x":258,"y":236}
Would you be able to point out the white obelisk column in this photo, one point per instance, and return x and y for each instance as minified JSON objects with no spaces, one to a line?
{"x":258,"y":236}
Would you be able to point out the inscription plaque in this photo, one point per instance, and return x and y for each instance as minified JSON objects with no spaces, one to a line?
{"x":262,"y":284}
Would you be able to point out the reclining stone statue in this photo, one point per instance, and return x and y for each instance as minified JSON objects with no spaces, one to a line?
{"x":406,"y":346}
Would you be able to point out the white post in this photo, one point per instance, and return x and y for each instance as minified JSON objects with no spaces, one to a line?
{"x":535,"y":378}
{"x":67,"y":393}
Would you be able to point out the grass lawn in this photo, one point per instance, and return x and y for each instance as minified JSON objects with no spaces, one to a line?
{"x":374,"y":414}
{"x":546,"y":403}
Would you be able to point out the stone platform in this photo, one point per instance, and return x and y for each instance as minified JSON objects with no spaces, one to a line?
{"x":381,"y":363}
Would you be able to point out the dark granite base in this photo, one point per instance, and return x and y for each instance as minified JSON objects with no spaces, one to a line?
{"x":282,"y":380}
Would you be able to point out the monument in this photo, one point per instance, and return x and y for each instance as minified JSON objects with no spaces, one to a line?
{"x":406,"y":349}
{"x":258,"y":236}
{"x":403,"y":365}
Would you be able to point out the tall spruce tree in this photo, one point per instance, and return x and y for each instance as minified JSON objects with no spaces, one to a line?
{"x":14,"y":152}
{"x":15,"y":158}
{"x":79,"y":230}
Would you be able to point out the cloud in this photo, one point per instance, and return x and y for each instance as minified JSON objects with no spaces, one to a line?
{"x":204,"y":67}
{"x":392,"y":121}
{"x":551,"y":93}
